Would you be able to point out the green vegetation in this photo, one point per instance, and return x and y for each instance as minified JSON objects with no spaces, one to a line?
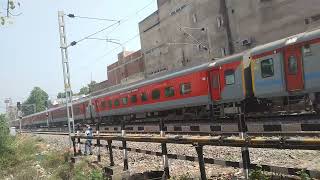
{"x":258,"y":174}
{"x":186,"y":176}
{"x":11,"y":6}
{"x":303,"y":175}
{"x":28,"y":157}
{"x":85,"y":90}
{"x":37,"y":98}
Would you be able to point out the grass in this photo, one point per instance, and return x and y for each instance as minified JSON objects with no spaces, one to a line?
{"x":25,"y":158}
{"x":18,"y":153}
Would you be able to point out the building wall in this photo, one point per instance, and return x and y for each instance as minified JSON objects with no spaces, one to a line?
{"x":182,"y":33}
{"x":113,"y":74}
{"x":263,"y":21}
{"x":188,"y":32}
{"x":101,"y":85}
{"x":128,"y":68}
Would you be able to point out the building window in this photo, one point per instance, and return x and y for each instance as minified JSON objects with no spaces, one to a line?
{"x":103,"y":104}
{"x":133,"y":99}
{"x":116,"y":102}
{"x":110,"y":103}
{"x":194,"y":17}
{"x":267,"y":68}
{"x":155,"y":94}
{"x":219,"y":21}
{"x":223,"y":52}
{"x":215,"y":81}
{"x":185,"y":88}
{"x":144,"y":97}
{"x":292,"y":65}
{"x":169,"y":91}
{"x":229,"y":77}
{"x":125,"y":100}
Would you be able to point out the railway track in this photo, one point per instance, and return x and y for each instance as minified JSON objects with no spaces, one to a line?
{"x":276,"y":125}
{"x":199,"y":142}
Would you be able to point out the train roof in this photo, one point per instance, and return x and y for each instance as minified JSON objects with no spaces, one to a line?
{"x":228,"y":59}
{"x":157,"y":79}
{"x":295,"y":39}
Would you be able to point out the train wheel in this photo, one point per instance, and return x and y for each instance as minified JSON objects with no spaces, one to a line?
{"x":316,"y":108}
{"x":316,"y":104}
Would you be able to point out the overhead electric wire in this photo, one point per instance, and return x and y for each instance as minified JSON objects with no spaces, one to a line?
{"x":90,"y":35}
{"x":126,"y":18}
{"x":110,"y":51}
{"x":132,"y":38}
{"x":91,"y":18}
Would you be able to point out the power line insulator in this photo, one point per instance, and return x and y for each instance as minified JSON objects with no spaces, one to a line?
{"x":71,"y":15}
{"x":73,"y":43}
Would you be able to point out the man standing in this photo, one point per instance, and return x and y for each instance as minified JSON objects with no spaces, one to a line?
{"x":88,"y":144}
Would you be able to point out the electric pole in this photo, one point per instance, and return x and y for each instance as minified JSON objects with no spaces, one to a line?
{"x":66,"y":73}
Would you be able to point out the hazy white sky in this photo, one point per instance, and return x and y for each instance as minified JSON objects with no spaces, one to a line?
{"x":29,"y":48}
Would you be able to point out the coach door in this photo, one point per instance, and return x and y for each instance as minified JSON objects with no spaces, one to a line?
{"x":215,"y":85}
{"x":293,"y":68}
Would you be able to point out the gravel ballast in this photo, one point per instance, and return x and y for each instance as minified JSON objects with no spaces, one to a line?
{"x":140,"y":162}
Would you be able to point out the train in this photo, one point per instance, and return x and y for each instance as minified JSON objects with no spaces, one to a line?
{"x":280,"y":77}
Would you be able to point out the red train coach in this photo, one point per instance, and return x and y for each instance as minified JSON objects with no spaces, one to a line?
{"x":182,"y":89}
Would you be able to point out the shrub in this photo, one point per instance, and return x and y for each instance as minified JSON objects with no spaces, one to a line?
{"x":96,"y":175}
{"x":303,"y":175}
{"x":52,"y":160}
{"x":258,"y":174}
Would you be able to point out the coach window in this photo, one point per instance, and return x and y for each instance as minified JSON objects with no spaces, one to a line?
{"x":185,"y":88}
{"x":116,"y":102}
{"x":103,"y":104}
{"x":292,"y":65}
{"x":169,"y":91}
{"x":267,"y":69}
{"x":110,"y":103}
{"x":155,"y":94}
{"x":133,"y":99}
{"x":229,"y":77}
{"x":144,"y":97}
{"x":307,"y":50}
{"x":125,"y":100}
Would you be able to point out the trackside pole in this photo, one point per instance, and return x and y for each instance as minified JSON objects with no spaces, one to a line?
{"x":124,"y":145}
{"x":74,"y":146}
{"x":164,"y":150}
{"x":110,"y":152}
{"x":66,"y":74}
{"x":78,"y":140}
{"x":199,"y":149}
{"x":98,"y":143}
{"x":244,"y":150}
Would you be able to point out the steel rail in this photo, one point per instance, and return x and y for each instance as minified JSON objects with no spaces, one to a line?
{"x":275,"y":143}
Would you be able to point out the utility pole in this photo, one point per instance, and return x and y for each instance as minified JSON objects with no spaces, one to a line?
{"x":19,"y":115}
{"x":8,"y":102}
{"x":66,"y":73}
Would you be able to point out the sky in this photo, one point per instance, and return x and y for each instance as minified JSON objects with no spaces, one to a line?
{"x":30,"y":47}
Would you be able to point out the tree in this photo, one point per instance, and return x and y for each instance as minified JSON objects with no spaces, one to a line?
{"x":91,"y":85}
{"x":61,"y":95}
{"x":10,"y":6}
{"x":4,"y":131}
{"x":84,"y":90}
{"x":37,"y":99}
{"x":87,"y":89}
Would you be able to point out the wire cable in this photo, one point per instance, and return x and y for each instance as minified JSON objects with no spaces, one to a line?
{"x":91,"y":18}
{"x":126,"y":18}
{"x":110,"y":51}
{"x":90,"y":35}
